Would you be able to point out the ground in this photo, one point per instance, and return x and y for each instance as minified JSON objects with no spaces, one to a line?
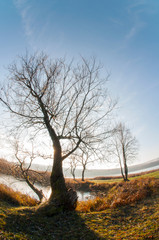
{"x":134,"y":220}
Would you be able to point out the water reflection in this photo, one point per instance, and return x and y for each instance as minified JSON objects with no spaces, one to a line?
{"x":82,"y":196}
{"x":22,"y":186}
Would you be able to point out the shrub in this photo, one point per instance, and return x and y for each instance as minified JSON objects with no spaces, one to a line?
{"x":121,"y":194}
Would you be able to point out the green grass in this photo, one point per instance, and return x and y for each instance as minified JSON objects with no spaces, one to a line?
{"x":107,"y":180}
{"x":154,"y":174}
{"x":132,"y":214}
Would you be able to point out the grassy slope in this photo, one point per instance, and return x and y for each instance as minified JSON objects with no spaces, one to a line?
{"x":137,"y":220}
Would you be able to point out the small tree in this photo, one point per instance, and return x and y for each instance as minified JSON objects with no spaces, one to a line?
{"x":68,"y":103}
{"x":125,"y":148}
{"x":22,"y":158}
{"x":85,"y":159}
{"x":73,"y":165}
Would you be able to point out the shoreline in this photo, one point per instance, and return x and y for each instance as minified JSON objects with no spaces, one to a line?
{"x":43,"y":178}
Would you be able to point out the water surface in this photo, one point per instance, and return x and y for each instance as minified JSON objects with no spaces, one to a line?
{"x":22,"y":186}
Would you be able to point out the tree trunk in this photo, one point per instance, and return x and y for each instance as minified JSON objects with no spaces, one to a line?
{"x":126,"y":172}
{"x":61,"y":198}
{"x":37,"y":191}
{"x":73,"y":173}
{"x":121,"y":169}
{"x":57,"y":180}
{"x":125,"y":166}
{"x":83,"y":171}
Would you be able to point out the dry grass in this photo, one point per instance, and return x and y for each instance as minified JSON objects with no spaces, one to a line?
{"x":16,"y":198}
{"x":118,"y":215}
{"x":121,"y":194}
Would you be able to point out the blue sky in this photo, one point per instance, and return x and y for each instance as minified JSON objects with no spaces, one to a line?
{"x":122,"y":34}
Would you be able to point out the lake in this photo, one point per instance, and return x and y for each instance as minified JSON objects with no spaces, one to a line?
{"x":91,"y":173}
{"x":22,"y":186}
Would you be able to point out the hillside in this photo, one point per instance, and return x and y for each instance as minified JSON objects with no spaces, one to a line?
{"x":7,"y":168}
{"x":91,"y":173}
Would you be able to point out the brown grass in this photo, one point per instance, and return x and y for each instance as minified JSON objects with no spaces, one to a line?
{"x":121,"y":194}
{"x":16,"y":198}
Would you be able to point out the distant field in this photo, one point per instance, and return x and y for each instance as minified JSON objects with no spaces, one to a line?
{"x":153,"y":173}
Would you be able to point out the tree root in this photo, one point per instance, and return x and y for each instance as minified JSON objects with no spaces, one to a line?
{"x":57,"y":204}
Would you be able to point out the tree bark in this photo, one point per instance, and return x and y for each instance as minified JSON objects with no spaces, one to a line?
{"x":57,"y":178}
{"x":83,"y":171}
{"x":73,"y":173}
{"x":126,"y":172}
{"x":125,"y":166}
{"x":37,"y":191}
{"x":121,"y":169}
{"x":61,"y":198}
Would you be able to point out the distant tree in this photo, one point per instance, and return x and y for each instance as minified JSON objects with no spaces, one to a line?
{"x":125,"y":148}
{"x":69,"y":103}
{"x":73,"y":165}
{"x":85,"y":159}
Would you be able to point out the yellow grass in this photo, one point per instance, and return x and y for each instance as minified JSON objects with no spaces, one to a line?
{"x":121,"y":194}
{"x":16,"y":198}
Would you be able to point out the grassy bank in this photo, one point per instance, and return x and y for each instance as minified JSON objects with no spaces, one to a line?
{"x":126,"y":211}
{"x":104,"y":183}
{"x":10,"y":196}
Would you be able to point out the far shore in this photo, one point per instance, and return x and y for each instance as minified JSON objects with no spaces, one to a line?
{"x":43,"y":178}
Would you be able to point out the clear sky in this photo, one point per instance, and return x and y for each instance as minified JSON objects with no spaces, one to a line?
{"x":122,"y":34}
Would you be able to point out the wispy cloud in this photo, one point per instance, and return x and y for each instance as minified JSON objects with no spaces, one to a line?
{"x":131,"y":33}
{"x":19,"y":3}
{"x":116,"y":21}
{"x":136,"y":12}
{"x":134,"y":30}
{"x":35,"y":21}
{"x":24,"y":7}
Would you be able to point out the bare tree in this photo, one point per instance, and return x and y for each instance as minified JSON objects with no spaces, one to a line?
{"x":84,"y":161}
{"x":25,"y":169}
{"x":125,"y":148}
{"x":85,"y":158}
{"x":68,"y":103}
{"x":73,"y":165}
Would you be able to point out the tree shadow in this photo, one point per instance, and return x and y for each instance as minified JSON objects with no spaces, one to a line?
{"x":67,"y":225}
